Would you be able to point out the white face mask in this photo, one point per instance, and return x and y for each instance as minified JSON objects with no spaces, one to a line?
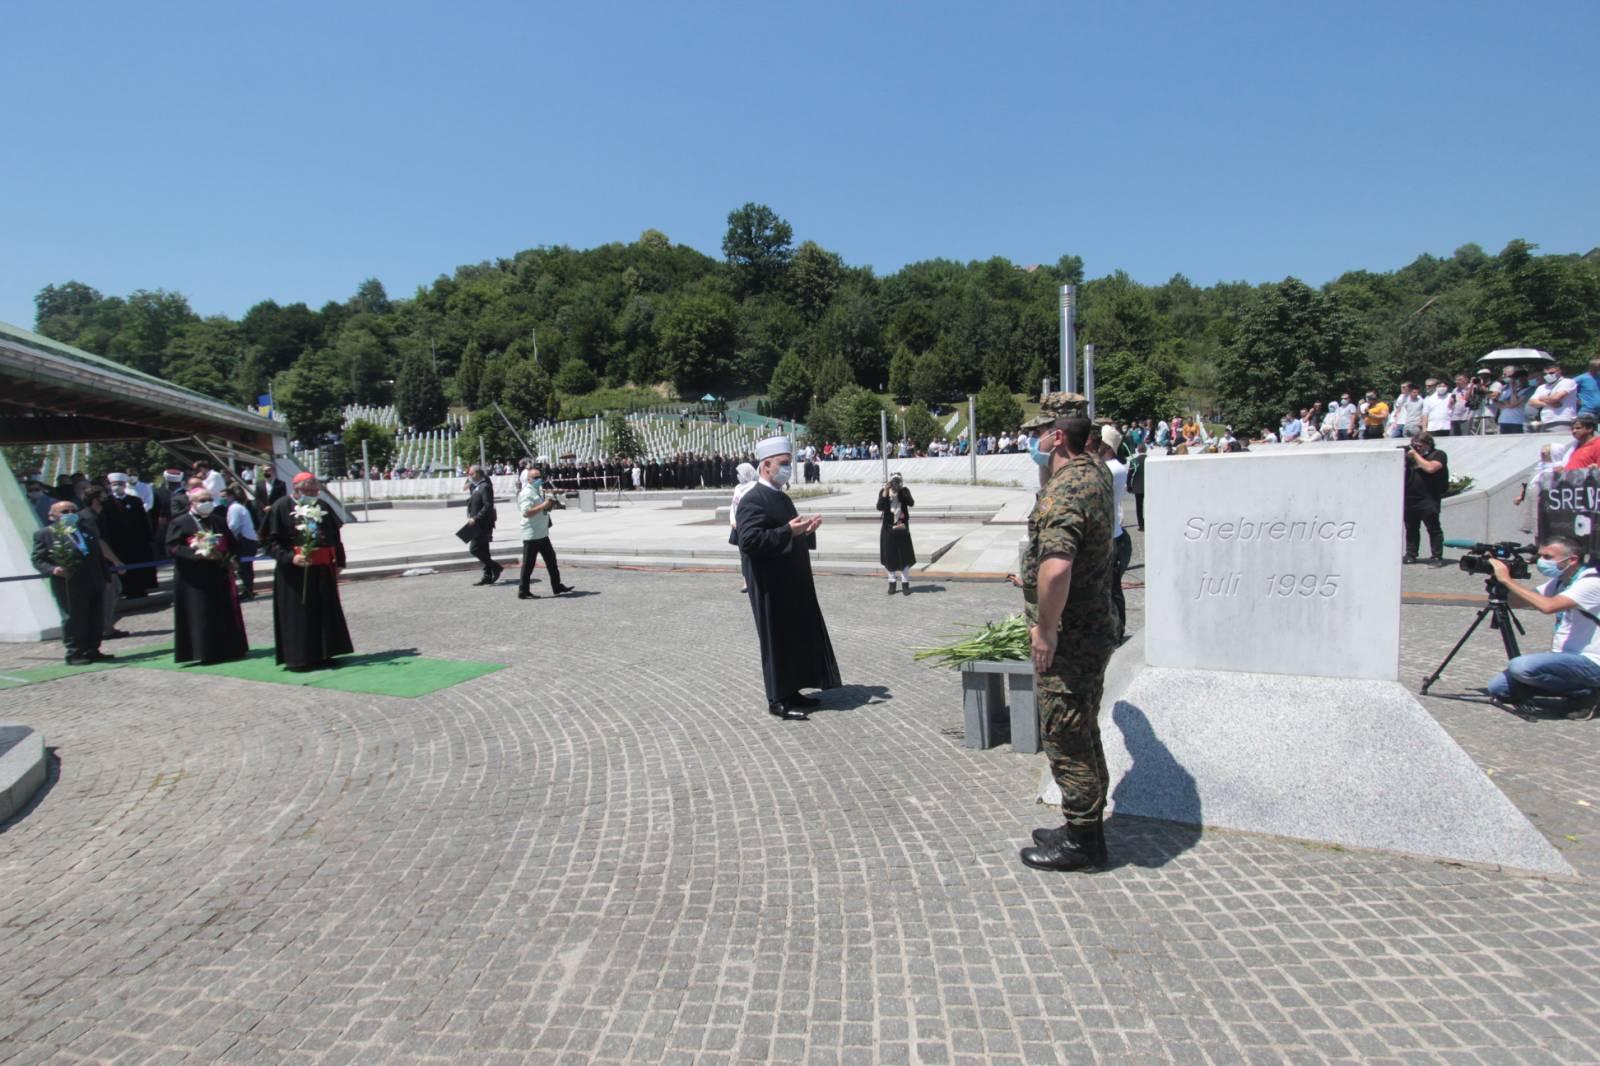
{"x":204,"y":507}
{"x":1440,"y":391}
{"x":781,"y":476}
{"x":1552,"y":378}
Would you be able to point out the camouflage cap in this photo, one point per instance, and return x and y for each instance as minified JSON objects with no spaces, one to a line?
{"x":1057,"y":405}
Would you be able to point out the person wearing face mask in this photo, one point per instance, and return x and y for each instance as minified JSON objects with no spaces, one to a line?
{"x":795,"y":650}
{"x":70,"y":556}
{"x":308,"y":624}
{"x":481,"y":517}
{"x":1555,"y":400}
{"x":127,"y":532}
{"x":1436,"y":410}
{"x":896,"y":553}
{"x":535,"y":509}
{"x":1571,"y":668}
{"x":207,"y":625}
{"x":39,"y":502}
{"x":746,"y":475}
{"x":1066,"y":587}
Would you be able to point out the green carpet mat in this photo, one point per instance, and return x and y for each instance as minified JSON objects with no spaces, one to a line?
{"x":384,"y":673}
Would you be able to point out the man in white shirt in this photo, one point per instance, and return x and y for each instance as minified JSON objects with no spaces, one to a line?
{"x":1436,"y":410}
{"x":1556,"y":400}
{"x":242,"y":529}
{"x":1110,"y":444}
{"x":1509,"y":397}
{"x":1572,"y":665}
{"x":1407,"y":413}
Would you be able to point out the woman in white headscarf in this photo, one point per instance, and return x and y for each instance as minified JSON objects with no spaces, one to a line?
{"x":747,"y":479}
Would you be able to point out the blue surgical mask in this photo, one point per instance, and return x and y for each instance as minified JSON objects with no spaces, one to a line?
{"x":1549,"y":567}
{"x":1042,"y":458}
{"x":70,"y":520}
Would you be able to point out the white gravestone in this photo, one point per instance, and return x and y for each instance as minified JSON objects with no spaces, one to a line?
{"x":1280,"y":563}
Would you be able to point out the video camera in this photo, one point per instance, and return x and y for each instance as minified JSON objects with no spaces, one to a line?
{"x":1514,"y":555}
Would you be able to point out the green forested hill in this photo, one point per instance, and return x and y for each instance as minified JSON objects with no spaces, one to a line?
{"x":799,"y":324}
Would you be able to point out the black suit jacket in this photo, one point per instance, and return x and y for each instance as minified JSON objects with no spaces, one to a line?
{"x":266,"y":498}
{"x":480,"y":504}
{"x":84,"y":578}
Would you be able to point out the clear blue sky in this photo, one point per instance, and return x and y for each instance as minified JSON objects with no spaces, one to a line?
{"x":289,"y":150}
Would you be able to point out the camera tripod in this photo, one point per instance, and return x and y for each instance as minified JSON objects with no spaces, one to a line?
{"x":1498,"y":611}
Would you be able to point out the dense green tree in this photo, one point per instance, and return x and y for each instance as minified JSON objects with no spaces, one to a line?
{"x":469,"y":375}
{"x":768,"y":328}
{"x":371,"y":298}
{"x":901,"y":369}
{"x":830,"y":376}
{"x":813,"y":279}
{"x":362,"y":352}
{"x":621,"y":441}
{"x":697,"y":339}
{"x":757,"y":245}
{"x":499,"y":446}
{"x":997,"y":409}
{"x":920,"y":425}
{"x":937,"y":378}
{"x":419,"y":397}
{"x":850,"y":328}
{"x":528,"y":394}
{"x":310,"y":395}
{"x":1293,"y":347}
{"x":575,"y":378}
{"x":380,"y":442}
{"x":1128,"y":387}
{"x":789,"y":394}
{"x":859,"y":413}
{"x":280,"y":334}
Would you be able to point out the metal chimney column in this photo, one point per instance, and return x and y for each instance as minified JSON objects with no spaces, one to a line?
{"x":1069,"y":338}
{"x":1088,"y":376}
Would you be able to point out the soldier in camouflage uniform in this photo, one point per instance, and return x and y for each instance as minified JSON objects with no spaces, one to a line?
{"x":1067,"y":587}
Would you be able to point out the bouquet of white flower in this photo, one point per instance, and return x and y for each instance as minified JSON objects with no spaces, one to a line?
{"x":308,"y":515}
{"x":206,"y":545}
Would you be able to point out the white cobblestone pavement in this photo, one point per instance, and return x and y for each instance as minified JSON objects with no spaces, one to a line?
{"x":609,"y":852}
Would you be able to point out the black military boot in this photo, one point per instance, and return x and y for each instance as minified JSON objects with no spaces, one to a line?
{"x":1080,"y":847}
{"x":1053,"y":837}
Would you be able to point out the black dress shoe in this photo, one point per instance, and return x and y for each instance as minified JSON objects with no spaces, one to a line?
{"x":905,"y":590}
{"x":526,"y":596}
{"x":891,"y":588}
{"x":782,"y":709}
{"x":559,"y":589}
{"x":485,"y":580}
{"x":79,"y":660}
{"x":797,"y":700}
{"x":101,"y":657}
{"x":498,"y":570}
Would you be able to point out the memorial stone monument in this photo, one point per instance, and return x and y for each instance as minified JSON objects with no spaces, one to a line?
{"x":1264,"y":693}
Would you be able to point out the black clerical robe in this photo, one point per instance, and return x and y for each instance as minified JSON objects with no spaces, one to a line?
{"x":307,"y":621}
{"x":207,"y":625}
{"x":795,"y":650}
{"x":126,"y":528}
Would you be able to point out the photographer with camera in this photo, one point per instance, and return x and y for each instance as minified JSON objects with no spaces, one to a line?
{"x":1427,"y":478}
{"x":1572,"y":665}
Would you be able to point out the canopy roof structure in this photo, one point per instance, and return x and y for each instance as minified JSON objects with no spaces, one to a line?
{"x":53,"y":393}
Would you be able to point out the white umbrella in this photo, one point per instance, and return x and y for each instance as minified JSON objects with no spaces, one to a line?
{"x":1502,"y":356}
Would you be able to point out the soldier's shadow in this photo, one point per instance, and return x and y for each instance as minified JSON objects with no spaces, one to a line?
{"x":1157,"y":784}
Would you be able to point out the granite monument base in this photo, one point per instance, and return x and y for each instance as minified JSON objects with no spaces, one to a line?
{"x":1340,"y":761}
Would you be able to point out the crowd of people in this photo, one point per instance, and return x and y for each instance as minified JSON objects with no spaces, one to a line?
{"x":101,"y":540}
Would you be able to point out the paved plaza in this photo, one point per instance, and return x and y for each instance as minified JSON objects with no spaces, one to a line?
{"x":609,"y":852}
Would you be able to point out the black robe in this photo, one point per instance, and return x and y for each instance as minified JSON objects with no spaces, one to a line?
{"x":307,"y":621}
{"x":127,"y":530}
{"x":795,"y":650}
{"x":895,"y":551}
{"x":207,"y":625}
